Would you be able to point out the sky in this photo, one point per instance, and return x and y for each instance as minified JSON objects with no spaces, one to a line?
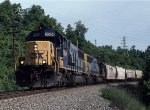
{"x":107,"y":20}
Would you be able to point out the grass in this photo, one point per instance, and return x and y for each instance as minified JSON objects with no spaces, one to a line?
{"x":122,"y":99}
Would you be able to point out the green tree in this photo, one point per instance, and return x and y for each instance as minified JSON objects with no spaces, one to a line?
{"x":80,"y":31}
{"x":32,"y":17}
{"x":10,"y":20}
{"x":145,"y":84}
{"x":70,"y":34}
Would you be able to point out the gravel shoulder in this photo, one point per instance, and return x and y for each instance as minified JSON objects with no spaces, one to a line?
{"x":81,"y":98}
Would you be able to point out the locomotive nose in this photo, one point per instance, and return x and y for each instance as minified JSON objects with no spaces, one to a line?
{"x":39,"y":53}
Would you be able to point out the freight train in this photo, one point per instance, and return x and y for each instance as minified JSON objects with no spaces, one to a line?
{"x":52,"y":60}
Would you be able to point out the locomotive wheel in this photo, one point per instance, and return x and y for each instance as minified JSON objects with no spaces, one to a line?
{"x":61,"y":79}
{"x":70,"y":79}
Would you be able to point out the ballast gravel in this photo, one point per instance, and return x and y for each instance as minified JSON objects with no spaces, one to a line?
{"x":80,"y":98}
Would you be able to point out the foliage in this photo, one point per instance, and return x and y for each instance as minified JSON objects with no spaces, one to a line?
{"x":77,"y":34}
{"x":145,"y":83}
{"x":122,"y":99}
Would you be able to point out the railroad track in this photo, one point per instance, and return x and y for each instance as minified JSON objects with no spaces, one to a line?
{"x":15,"y":94}
{"x":122,"y":83}
{"x":21,"y":93}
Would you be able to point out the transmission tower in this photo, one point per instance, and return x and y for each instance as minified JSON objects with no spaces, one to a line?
{"x":123,"y":42}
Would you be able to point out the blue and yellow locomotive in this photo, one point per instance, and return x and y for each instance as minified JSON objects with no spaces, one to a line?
{"x":50,"y":59}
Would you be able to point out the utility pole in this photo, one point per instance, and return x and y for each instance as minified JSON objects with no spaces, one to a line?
{"x":13,"y":27}
{"x":13,"y":47}
{"x":95,"y":42}
{"x":124,"y":43}
{"x":14,"y":59}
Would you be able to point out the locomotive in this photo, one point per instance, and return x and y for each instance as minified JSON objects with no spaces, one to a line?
{"x":52,"y":60}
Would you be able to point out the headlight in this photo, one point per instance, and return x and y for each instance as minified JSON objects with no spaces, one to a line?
{"x":22,"y":62}
{"x":35,"y":47}
{"x":43,"y":61}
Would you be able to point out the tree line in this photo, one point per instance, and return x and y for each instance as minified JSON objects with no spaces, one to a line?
{"x":22,"y":21}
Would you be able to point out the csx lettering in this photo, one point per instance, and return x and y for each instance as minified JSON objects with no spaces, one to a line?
{"x":34,"y":55}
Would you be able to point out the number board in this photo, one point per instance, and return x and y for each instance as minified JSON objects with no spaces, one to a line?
{"x":49,"y":34}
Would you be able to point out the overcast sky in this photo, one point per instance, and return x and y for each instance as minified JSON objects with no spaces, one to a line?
{"x":107,"y":21}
